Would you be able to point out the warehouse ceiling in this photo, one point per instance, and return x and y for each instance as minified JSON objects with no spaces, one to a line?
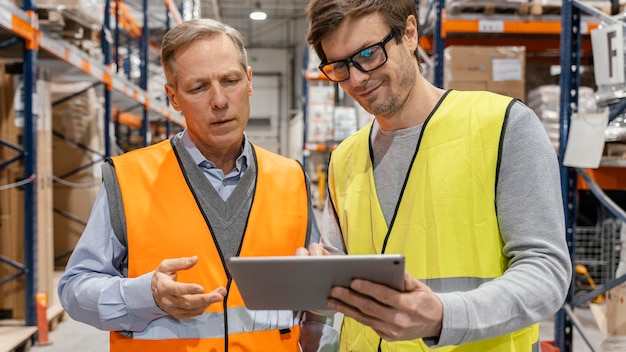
{"x":276,"y":31}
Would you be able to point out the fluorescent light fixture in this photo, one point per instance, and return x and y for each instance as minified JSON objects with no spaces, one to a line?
{"x":258,"y":14}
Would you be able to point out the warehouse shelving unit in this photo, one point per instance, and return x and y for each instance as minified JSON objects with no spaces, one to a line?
{"x":43,"y":50}
{"x":315,"y":154}
{"x":538,"y":33}
{"x":572,"y":11}
{"x":567,"y":37}
{"x":332,"y":118}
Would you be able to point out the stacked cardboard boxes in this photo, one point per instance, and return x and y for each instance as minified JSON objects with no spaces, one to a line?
{"x":498,"y":69}
{"x":12,"y":180}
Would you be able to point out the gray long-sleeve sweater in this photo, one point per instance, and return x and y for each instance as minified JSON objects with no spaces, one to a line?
{"x":530,"y":215}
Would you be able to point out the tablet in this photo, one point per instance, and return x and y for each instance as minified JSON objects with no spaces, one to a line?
{"x":304,"y":282}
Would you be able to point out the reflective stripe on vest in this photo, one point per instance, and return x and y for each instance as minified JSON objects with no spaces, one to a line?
{"x":211,"y":325}
{"x":447,"y":210}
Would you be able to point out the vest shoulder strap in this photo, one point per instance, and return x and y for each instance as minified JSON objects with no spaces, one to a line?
{"x":116,"y":206}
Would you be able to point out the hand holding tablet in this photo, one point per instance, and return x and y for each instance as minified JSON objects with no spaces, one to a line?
{"x":304,"y":282}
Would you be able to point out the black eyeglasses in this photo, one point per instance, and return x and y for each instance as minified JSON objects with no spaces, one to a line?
{"x":365,"y":60}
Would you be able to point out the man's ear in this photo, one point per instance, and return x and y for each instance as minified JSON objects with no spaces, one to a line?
{"x":410,"y":33}
{"x":171,"y":95}
{"x":249,"y":81}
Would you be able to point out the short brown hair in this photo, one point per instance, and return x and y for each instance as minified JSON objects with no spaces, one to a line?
{"x":188,"y":32}
{"x":325,"y":16}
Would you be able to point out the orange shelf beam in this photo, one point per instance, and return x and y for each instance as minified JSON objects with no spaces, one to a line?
{"x":607,"y":178}
{"x":496,"y":27}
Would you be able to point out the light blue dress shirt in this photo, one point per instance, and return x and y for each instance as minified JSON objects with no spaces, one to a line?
{"x":93,"y":291}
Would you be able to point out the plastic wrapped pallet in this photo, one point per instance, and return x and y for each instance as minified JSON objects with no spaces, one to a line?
{"x":545,"y":101}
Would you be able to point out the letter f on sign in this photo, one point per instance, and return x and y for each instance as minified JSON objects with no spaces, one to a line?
{"x":612,"y":52}
{"x":608,"y":54}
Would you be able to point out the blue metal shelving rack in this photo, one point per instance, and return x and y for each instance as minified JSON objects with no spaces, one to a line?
{"x":33,"y":40}
{"x":570,"y":44}
{"x":571,"y":13}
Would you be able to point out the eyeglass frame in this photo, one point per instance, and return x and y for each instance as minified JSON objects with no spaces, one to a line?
{"x":349,"y":60}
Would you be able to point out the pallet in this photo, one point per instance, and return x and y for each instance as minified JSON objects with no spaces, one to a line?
{"x":554,"y":7}
{"x":487,"y":7}
{"x":615,"y":150}
{"x":56,"y":319}
{"x":16,"y":337}
{"x":545,"y":8}
{"x":51,"y":20}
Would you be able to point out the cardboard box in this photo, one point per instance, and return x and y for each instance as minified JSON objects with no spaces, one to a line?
{"x":611,"y":314}
{"x":508,"y":88}
{"x":467,"y":85}
{"x":12,"y":216}
{"x":499,"y":69}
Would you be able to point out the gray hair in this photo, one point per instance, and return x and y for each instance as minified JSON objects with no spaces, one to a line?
{"x":185,"y":33}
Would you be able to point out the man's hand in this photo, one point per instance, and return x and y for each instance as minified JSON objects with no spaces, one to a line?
{"x":314,"y":249}
{"x":394,"y":315}
{"x":181,"y":300}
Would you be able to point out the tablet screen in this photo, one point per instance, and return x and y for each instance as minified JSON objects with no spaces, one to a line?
{"x":304,"y":282}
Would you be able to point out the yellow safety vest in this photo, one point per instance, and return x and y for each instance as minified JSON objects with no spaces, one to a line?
{"x":446,"y":225}
{"x":164,"y":221}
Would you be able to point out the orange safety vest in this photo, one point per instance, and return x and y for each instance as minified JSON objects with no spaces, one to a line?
{"x":164,"y":221}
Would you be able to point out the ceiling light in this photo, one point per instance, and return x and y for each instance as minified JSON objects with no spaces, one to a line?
{"x":258,"y":14}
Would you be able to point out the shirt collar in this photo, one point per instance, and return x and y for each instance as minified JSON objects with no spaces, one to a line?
{"x":241,"y":164}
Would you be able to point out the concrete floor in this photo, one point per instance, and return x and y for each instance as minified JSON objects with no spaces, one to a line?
{"x":71,"y":335}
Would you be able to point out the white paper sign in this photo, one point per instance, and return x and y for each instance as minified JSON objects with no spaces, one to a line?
{"x":608,"y":54}
{"x":586,"y":140}
{"x":506,"y":69}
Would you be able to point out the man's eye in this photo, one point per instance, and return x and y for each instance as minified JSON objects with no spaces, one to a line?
{"x":365,"y":53}
{"x":198,"y":88}
{"x":339,"y":65}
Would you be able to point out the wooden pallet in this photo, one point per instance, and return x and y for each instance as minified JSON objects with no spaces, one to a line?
{"x":544,"y":8}
{"x":554,"y":7}
{"x":16,"y":337}
{"x":50,"y":19}
{"x":487,"y":7}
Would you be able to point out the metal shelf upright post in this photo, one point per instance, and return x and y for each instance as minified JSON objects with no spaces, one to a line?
{"x":305,"y":102}
{"x":108,"y":87}
{"x":30,"y":169}
{"x":143,"y":80}
{"x":570,"y":38}
{"x":569,"y":81}
{"x":28,"y":154}
{"x":438,"y":44}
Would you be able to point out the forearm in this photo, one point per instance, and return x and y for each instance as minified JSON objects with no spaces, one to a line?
{"x":94,"y":291}
{"x":530,"y":216}
{"x":522,"y":298}
{"x":110,"y":302}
